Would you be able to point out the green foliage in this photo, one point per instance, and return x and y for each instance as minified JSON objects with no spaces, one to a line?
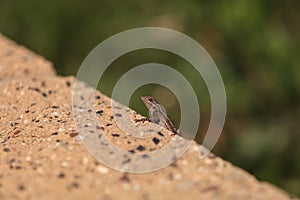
{"x":254,"y":43}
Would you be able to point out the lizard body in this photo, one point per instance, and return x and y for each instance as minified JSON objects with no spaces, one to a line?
{"x":157,"y":114}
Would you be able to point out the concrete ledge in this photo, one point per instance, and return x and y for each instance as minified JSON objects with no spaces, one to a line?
{"x":42,"y":158}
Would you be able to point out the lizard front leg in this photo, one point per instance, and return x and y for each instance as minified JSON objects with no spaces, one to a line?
{"x":144,"y":119}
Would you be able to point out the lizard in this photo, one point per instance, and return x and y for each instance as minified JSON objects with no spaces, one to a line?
{"x":157,"y":114}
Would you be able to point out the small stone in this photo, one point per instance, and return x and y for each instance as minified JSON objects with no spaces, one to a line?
{"x":64,"y":164}
{"x":177,"y":176}
{"x":102,"y":170}
{"x":26,"y":121}
{"x":61,"y":129}
{"x":40,"y":170}
{"x":85,"y":161}
{"x":71,"y":148}
{"x":184,"y":162}
{"x":17,"y":132}
{"x":28,"y":158}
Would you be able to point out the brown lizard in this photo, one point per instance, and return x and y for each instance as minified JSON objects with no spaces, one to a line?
{"x":157,"y":114}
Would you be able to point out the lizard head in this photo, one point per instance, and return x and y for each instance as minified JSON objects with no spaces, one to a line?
{"x":149,"y":101}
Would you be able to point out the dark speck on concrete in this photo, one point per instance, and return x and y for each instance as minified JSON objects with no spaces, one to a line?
{"x":21,"y":187}
{"x":68,"y":83}
{"x":126,"y":161}
{"x":44,"y":94}
{"x":145,"y":156}
{"x":73,"y":185}
{"x":125,"y":178}
{"x":99,"y":112}
{"x":159,"y":133}
{"x":131,"y":151}
{"x":73,"y":134}
{"x":34,"y":89}
{"x":118,"y":115}
{"x":140,"y":148}
{"x":61,"y":175}
{"x":156,"y":140}
{"x":26,"y":71}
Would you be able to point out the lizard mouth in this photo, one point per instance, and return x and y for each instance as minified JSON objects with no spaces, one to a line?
{"x":144,"y":97}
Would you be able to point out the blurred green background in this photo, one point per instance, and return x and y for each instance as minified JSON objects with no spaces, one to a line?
{"x":254,"y":43}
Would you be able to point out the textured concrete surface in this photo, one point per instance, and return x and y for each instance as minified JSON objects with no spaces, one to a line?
{"x":42,"y":157}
